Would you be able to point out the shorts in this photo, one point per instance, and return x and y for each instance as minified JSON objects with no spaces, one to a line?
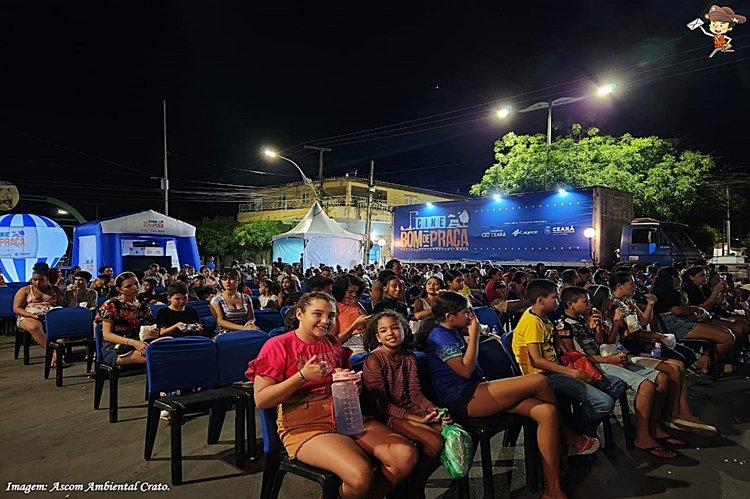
{"x":459,"y":408}
{"x":633,"y":375}
{"x":300,"y":422}
{"x":111,"y":351}
{"x":677,"y":325}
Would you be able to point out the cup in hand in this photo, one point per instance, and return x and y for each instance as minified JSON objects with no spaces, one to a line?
{"x":632,"y":322}
{"x":607,"y":349}
{"x":669,"y":340}
{"x":147,"y":332}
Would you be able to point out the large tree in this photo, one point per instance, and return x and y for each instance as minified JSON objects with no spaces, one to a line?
{"x":257,"y":236}
{"x":665,"y":182}
{"x":215,"y":236}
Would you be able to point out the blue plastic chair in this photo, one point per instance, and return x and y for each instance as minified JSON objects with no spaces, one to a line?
{"x":7,"y":315}
{"x":277,"y":464}
{"x":155,"y":307}
{"x":367,"y":305}
{"x":493,"y":358}
{"x":268,"y":320}
{"x":160,"y":290}
{"x":508,"y":344}
{"x":233,"y":352}
{"x":284,"y":310}
{"x":358,"y":361}
{"x":488,"y":317}
{"x":205,"y":315}
{"x":187,"y":364}
{"x":277,"y":331}
{"x":105,"y":372}
{"x":75,"y":325}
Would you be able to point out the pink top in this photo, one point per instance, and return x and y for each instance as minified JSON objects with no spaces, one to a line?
{"x":396,"y":385}
{"x":282,"y":357}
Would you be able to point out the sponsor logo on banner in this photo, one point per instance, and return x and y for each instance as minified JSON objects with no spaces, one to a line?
{"x":520,"y":232}
{"x":152,"y":225}
{"x":494,"y":233}
{"x":436,"y":233}
{"x":13,"y":244}
{"x":560,"y":230}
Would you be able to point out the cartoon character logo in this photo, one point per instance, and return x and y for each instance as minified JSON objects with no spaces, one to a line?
{"x":722,"y":21}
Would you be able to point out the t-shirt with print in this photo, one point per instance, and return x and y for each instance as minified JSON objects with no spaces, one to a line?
{"x":283,"y":356}
{"x":444,"y":344}
{"x":533,"y":329}
{"x":577,"y":329}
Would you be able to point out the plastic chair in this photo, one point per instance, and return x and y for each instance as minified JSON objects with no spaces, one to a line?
{"x":277,"y":464}
{"x":268,"y":320}
{"x":101,"y":300}
{"x":155,"y":307}
{"x":187,"y":364}
{"x":205,"y":315}
{"x":488,"y":317}
{"x":367,"y":305}
{"x":696,"y":345}
{"x":507,"y":339}
{"x":493,"y":359}
{"x":23,"y":338}
{"x":160,"y":290}
{"x":284,"y":310}
{"x":358,"y":361}
{"x":75,"y":325}
{"x":277,"y":331}
{"x":105,"y":372}
{"x":233,"y":352}
{"x":7,"y":315}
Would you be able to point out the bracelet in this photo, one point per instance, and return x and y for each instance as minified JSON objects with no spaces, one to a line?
{"x":299,"y":371}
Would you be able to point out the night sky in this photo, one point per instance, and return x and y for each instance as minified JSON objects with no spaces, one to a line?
{"x":84,"y":82}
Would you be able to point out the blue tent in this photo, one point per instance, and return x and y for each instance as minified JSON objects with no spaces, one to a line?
{"x":134,"y":241}
{"x":26,"y":240}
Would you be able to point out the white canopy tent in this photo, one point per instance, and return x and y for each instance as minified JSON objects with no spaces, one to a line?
{"x":319,"y":239}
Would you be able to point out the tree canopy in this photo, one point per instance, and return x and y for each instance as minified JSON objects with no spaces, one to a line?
{"x":224,"y":236}
{"x":664,"y":181}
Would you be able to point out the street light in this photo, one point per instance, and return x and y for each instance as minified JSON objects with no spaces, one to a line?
{"x":270,"y":153}
{"x":590,"y":234}
{"x":503,"y":112}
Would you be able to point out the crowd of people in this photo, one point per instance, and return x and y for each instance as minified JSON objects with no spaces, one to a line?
{"x":585,"y":336}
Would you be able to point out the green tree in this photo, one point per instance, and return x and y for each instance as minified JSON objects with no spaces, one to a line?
{"x":257,"y":235}
{"x":215,"y":236}
{"x":664,"y":181}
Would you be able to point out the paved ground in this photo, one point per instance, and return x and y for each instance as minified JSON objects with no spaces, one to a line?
{"x":52,"y":435}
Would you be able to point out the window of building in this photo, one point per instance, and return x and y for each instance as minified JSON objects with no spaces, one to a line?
{"x":305,"y":197}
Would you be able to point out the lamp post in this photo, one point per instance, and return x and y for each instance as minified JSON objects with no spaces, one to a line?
{"x":590,"y":234}
{"x":270,"y":153}
{"x":381,"y":243}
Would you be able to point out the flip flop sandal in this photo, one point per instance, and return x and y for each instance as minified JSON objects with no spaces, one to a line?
{"x":698,"y":428}
{"x":673,"y":441}
{"x":651,"y":451}
{"x":592,"y":445}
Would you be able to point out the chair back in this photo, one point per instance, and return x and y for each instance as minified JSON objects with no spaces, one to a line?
{"x":367,"y":305}
{"x":283,"y":311}
{"x":155,"y":307}
{"x":181,"y":364}
{"x":358,"y":361}
{"x":271,"y":440}
{"x":507,"y":339}
{"x":234,"y":350}
{"x":303,"y":287}
{"x":202,"y":307}
{"x":662,"y":326}
{"x":69,"y":323}
{"x":493,"y":359}
{"x":160,"y":290}
{"x":101,"y":300}
{"x":425,"y":380}
{"x":6,"y":302}
{"x":277,"y":331}
{"x":268,"y":319}
{"x":488,"y":317}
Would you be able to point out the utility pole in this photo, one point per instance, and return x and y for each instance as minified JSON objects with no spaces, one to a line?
{"x":729,"y":225}
{"x":165,"y":180}
{"x":320,"y":150}
{"x":368,"y":220}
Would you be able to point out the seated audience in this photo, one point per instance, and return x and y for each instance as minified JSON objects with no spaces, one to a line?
{"x":80,"y":293}
{"x":233,"y":309}
{"x":178,"y":319}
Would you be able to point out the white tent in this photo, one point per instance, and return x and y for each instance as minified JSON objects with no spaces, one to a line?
{"x":320,"y":240}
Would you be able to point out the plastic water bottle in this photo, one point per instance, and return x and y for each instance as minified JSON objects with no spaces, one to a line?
{"x":346,"y":410}
{"x":656,"y":351}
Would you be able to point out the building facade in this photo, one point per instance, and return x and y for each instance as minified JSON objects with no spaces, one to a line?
{"x":344,"y":200}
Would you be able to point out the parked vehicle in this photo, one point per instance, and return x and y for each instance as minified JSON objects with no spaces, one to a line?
{"x":561,"y":228}
{"x":737,"y":265}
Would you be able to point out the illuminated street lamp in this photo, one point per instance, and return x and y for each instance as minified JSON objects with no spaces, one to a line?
{"x":381,"y":243}
{"x":590,"y":234}
{"x":270,"y":153}
{"x":503,"y":112}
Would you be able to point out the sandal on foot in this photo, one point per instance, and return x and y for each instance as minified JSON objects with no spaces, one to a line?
{"x":673,"y":441}
{"x":591,"y":446}
{"x":652,"y":451}
{"x":693,"y":427}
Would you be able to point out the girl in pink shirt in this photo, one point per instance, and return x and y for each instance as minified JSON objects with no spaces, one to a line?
{"x":294,"y":372}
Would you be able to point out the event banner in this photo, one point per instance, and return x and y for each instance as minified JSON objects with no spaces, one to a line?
{"x":542,"y":226}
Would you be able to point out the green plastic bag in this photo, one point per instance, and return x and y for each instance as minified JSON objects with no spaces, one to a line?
{"x":458,"y":450}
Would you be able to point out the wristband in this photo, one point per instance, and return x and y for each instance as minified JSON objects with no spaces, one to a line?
{"x":299,"y":371}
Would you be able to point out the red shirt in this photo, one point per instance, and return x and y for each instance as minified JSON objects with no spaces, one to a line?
{"x":283,"y":356}
{"x":490,"y":292}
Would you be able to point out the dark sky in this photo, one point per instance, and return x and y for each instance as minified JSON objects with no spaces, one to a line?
{"x":83,"y":85}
